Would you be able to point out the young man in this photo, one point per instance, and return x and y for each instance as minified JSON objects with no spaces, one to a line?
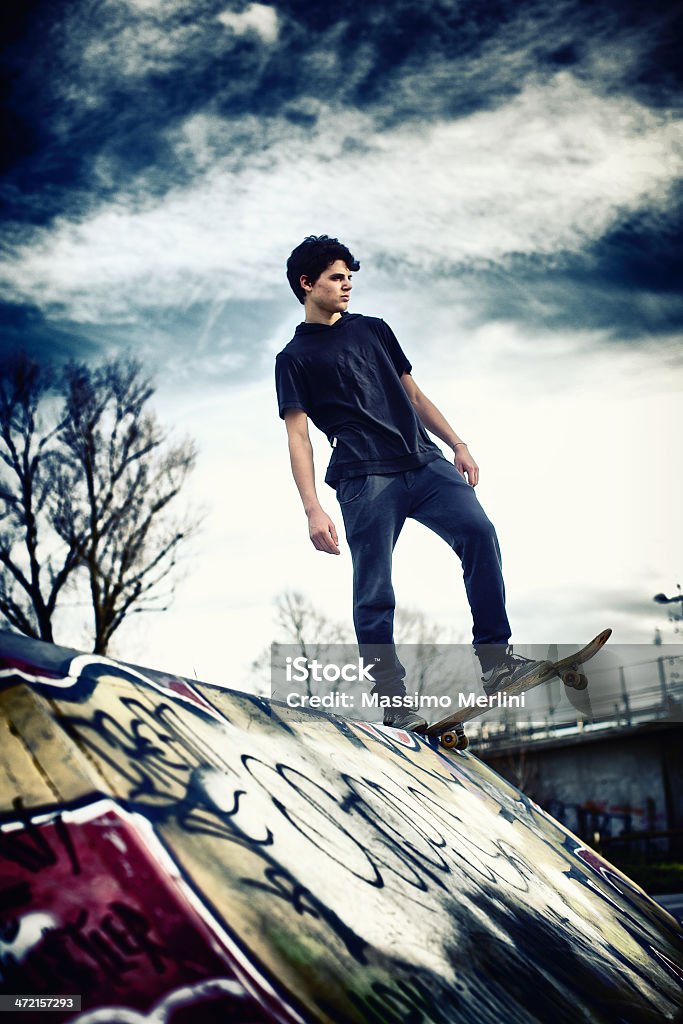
{"x":349,"y":375}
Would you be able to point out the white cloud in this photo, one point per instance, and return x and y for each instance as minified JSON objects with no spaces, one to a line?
{"x":139,"y":38}
{"x":549,"y":171}
{"x":132,"y":39}
{"x":259,"y":18}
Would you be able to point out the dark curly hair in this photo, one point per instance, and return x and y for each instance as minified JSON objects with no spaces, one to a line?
{"x":314,"y":255}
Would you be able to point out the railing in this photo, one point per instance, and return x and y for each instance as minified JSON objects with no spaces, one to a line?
{"x":646,"y":844}
{"x":629,"y":695}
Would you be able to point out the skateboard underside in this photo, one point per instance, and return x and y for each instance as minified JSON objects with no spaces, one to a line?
{"x":450,"y":731}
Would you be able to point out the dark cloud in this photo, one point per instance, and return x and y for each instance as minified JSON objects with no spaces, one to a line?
{"x":626,"y":284}
{"x":92,"y":92}
{"x":205,"y":344}
{"x":211,"y":344}
{"x":24,"y":328}
{"x":641,"y":253}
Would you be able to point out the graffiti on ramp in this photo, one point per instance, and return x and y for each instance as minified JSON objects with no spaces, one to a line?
{"x":170,"y":848}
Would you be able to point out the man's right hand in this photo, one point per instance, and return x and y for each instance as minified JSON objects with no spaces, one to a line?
{"x":322,"y":532}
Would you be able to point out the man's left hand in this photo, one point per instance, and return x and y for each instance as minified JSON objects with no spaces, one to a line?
{"x":466,"y":465}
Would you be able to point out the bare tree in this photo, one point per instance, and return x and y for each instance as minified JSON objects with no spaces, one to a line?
{"x":299,"y":623}
{"x":33,"y":577}
{"x":89,"y":485}
{"x":428,"y":651}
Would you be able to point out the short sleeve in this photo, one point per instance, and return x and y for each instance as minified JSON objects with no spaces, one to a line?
{"x":290,"y":385}
{"x":394,"y":350}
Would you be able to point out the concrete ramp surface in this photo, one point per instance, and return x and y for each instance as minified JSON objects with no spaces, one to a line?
{"x":175,"y":852}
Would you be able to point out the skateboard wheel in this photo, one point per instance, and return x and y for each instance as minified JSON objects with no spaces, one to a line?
{"x":449,"y":740}
{"x":463,"y":742}
{"x":576,"y":680}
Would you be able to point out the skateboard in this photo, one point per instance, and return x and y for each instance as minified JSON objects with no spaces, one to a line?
{"x":451,"y":731}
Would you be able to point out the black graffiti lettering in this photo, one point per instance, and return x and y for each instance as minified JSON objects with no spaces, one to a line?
{"x":424,"y":864}
{"x":321,"y":838}
{"x":107,"y":957}
{"x":283,"y":886}
{"x":146,"y":766}
{"x":205,"y":820}
{"x":118,"y":935}
{"x":475,"y":862}
{"x":198,"y":813}
{"x":138,"y":930}
{"x":75,"y":956}
{"x":522,"y":870}
{"x":65,"y":839}
{"x":9,"y":929}
{"x":425,"y":870}
{"x":393,"y":853}
{"x":408,"y":1000}
{"x":54,"y":962}
{"x":407,"y":843}
{"x":90,"y":945}
{"x":33,"y":974}
{"x":162,"y":766}
{"x":30,"y":846}
{"x":14,"y":896}
{"x":183,"y":737}
{"x":121,"y":937}
{"x":165,"y":786}
{"x":415,"y":768}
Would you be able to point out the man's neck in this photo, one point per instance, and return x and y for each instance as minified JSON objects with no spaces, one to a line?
{"x":315,"y":315}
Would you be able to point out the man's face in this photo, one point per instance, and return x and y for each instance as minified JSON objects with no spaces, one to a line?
{"x":332,"y":291}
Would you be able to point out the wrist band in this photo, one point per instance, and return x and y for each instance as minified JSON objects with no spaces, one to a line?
{"x":460,"y":442}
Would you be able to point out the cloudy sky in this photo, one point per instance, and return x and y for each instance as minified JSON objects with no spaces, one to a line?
{"x":508,"y":174}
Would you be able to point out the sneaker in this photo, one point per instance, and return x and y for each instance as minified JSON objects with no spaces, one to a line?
{"x":404,"y":718}
{"x":512,"y":668}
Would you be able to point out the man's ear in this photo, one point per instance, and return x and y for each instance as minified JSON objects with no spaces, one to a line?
{"x":305,"y":282}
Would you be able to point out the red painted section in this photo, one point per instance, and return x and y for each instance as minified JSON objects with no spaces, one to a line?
{"x":87,"y":908}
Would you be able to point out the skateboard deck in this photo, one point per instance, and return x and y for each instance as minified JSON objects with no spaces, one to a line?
{"x":451,"y":730}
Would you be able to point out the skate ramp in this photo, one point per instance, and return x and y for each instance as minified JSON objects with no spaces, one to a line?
{"x":173,"y":851}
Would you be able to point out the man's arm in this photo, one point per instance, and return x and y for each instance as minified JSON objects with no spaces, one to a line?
{"x":435,"y":421}
{"x":320,"y":527}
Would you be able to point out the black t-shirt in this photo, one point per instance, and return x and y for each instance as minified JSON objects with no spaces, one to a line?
{"x":346,"y":378}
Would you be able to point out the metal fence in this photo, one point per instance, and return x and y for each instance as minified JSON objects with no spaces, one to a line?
{"x":622,"y":692}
